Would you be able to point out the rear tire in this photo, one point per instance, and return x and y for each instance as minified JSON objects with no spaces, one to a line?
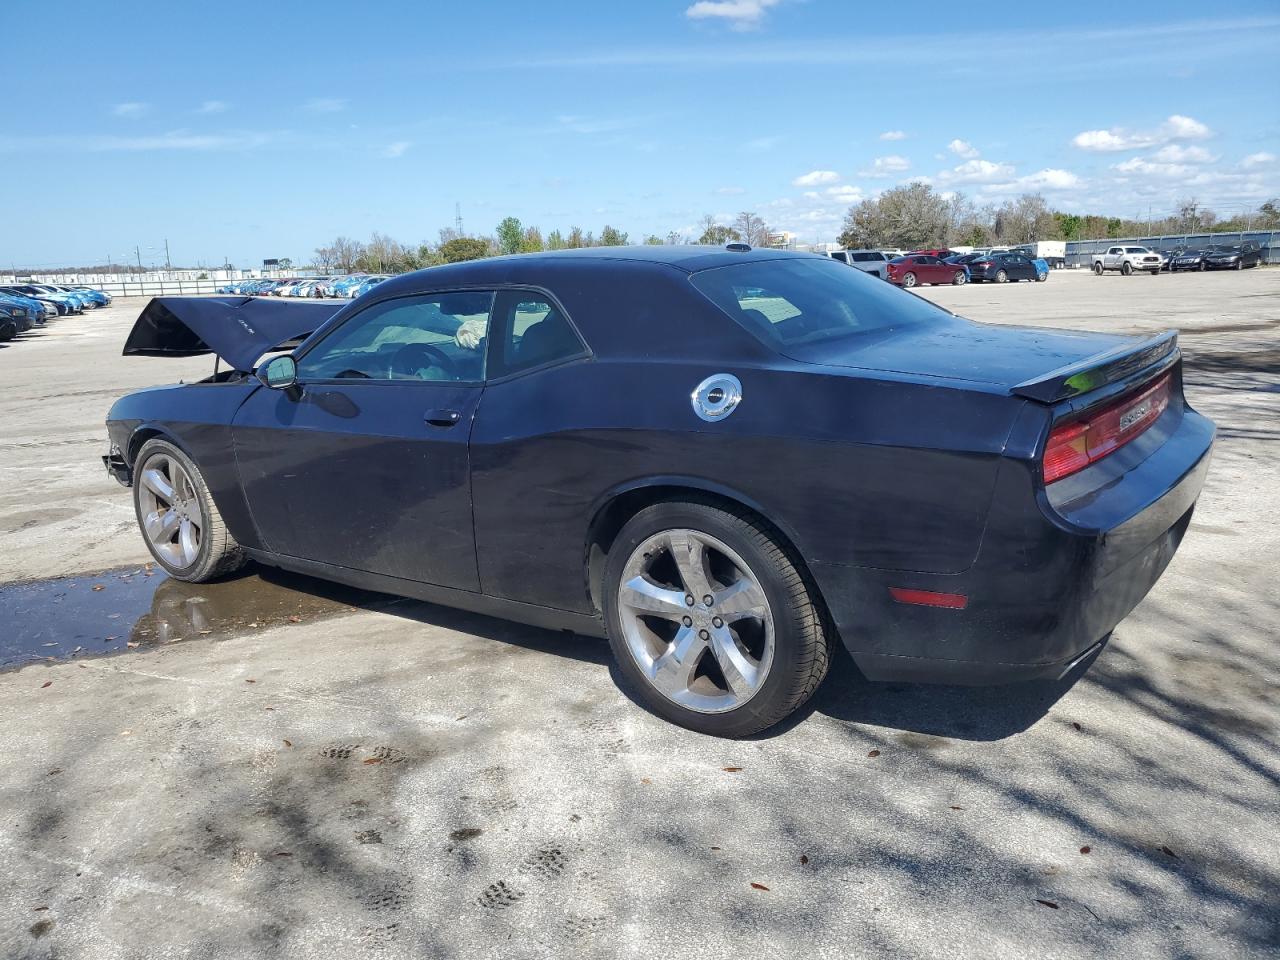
{"x":909,"y":280}
{"x":1097,"y":268}
{"x":1002,"y":277}
{"x":783,"y":642}
{"x":174,"y":508}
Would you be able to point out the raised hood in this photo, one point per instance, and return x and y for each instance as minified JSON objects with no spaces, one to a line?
{"x":1040,"y":364}
{"x":237,"y":329}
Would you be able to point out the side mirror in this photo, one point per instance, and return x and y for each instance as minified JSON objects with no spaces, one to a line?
{"x":280,"y":373}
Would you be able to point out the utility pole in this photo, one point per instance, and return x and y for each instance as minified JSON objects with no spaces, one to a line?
{"x":457,"y":218}
{"x":138,"y":252}
{"x":167,"y":265}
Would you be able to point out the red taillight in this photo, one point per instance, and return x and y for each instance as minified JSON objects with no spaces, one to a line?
{"x":983,"y":263}
{"x":1073,"y":446}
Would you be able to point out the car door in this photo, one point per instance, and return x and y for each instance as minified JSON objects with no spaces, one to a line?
{"x":365,"y":464}
{"x":1020,"y":268}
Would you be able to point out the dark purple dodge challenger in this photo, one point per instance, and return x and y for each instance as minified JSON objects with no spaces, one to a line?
{"x":721,"y":459}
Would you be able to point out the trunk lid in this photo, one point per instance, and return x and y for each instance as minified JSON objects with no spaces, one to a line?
{"x":1045,"y":365}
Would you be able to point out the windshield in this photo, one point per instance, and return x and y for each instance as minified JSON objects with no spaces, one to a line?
{"x":790,"y":303}
{"x":1136,"y":250}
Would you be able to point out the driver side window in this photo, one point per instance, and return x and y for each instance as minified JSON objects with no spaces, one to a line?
{"x":439,"y":336}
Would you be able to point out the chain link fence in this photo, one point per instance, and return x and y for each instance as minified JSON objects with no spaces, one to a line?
{"x":1080,"y":252}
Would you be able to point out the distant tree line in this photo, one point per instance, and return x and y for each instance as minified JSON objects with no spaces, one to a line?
{"x":916,"y":216}
{"x":384,"y":254}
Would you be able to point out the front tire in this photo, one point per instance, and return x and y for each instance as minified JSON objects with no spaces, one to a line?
{"x":1126,"y":268}
{"x":179,"y":521}
{"x":730,"y":667}
{"x":1041,"y":277}
{"x":959,"y":279}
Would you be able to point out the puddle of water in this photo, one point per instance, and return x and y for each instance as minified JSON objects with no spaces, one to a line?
{"x":134,"y":608}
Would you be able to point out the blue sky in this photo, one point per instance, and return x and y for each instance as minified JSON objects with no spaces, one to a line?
{"x":256,"y":130}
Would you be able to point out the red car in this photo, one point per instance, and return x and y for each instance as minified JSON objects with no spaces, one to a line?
{"x":941,"y":254}
{"x":924,"y":268}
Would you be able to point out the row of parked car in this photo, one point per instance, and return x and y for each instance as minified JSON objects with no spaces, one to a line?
{"x":24,"y":306}
{"x":940,"y":265}
{"x":1129,"y":259}
{"x":351,"y":285}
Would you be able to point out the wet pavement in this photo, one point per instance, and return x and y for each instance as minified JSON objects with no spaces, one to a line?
{"x":139,"y":607}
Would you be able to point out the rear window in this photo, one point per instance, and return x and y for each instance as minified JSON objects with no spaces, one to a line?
{"x":868,"y":257}
{"x":795,"y":303}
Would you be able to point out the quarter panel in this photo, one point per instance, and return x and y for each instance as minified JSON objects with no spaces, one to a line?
{"x":865,"y":471}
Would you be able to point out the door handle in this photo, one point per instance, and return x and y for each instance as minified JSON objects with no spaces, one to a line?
{"x":442,"y":418}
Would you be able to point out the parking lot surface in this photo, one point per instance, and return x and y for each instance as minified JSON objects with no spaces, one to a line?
{"x":272,"y":766}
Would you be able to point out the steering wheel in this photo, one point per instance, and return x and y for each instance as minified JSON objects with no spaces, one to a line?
{"x":414,"y":356}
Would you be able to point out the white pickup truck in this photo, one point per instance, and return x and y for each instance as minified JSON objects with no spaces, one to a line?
{"x":1126,"y":260}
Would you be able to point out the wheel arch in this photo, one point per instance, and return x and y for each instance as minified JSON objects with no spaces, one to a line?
{"x":150,"y":431}
{"x":611,"y":512}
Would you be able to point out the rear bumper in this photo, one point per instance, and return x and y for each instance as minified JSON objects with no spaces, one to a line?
{"x":1045,"y":590}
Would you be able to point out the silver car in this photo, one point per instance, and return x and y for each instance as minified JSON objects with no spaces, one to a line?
{"x":869,"y":261}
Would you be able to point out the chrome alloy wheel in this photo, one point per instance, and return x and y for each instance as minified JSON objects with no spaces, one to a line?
{"x":171,"y":514}
{"x":696,"y":621}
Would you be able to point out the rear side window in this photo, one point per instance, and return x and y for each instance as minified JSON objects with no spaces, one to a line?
{"x":795,"y":303}
{"x":868,"y":257}
{"x":842,"y":257}
{"x":535,"y":333}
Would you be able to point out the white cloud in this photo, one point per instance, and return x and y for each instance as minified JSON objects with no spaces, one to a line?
{"x":1177,"y":127}
{"x":815,"y":177}
{"x":730,"y":191}
{"x":397,"y":149}
{"x":130,"y":109}
{"x":761,"y":144}
{"x":886,"y":166}
{"x":325,"y":105}
{"x":893,"y":135}
{"x":180,"y":140}
{"x":1150,"y":168}
{"x":1174,"y":153}
{"x":213,"y":106}
{"x":963,"y":149}
{"x":977,"y":171}
{"x":738,"y":14}
{"x":1049,"y":179}
{"x":1258,"y":159}
{"x":845,"y":194}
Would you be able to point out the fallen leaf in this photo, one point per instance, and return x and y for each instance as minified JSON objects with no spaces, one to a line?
{"x":295,"y":619}
{"x":715,"y":848}
{"x":1047,"y":903}
{"x":373,"y":760}
{"x":645,"y":780}
{"x":288,"y":743}
{"x":758,"y":886}
{"x":1076,"y":725}
{"x":957,"y":808}
{"x":268,"y":708}
{"x":1165,"y":850}
{"x":38,"y":909}
{"x":98,"y":586}
{"x":54,"y":771}
{"x":283,"y":853}
{"x":47,"y":683}
{"x":873,"y":753}
{"x":804,"y":858}
{"x":1086,"y":849}
{"x":463,"y":717}
{"x":247,"y":680}
{"x":732,"y":769}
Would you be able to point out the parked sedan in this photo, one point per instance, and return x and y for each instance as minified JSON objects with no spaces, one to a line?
{"x":8,"y":325}
{"x":921,"y":268}
{"x":1004,"y":267}
{"x":38,"y":311}
{"x":63,"y":304}
{"x":950,"y":505}
{"x":1237,"y":257}
{"x":1187,"y":259}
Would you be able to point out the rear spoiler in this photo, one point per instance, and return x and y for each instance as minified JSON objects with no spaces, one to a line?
{"x":1098,"y":371}
{"x":237,"y":329}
